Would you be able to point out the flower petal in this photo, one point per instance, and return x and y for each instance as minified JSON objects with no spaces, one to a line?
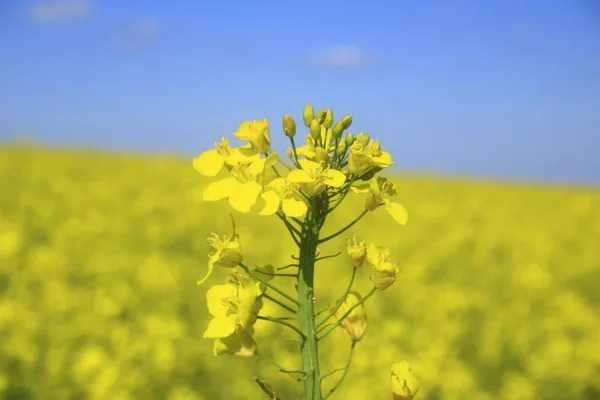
{"x":294,"y":208}
{"x":244,"y":196}
{"x":299,"y":176}
{"x":268,"y":203}
{"x":220,"y":189}
{"x":397,"y":211}
{"x":215,"y":296}
{"x":334,"y":178}
{"x":220,"y":327}
{"x":209,"y":163}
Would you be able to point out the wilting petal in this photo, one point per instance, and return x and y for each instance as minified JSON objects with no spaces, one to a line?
{"x":211,"y":267}
{"x":220,"y":327}
{"x":209,"y":163}
{"x":397,"y":211}
{"x":404,"y":382}
{"x":294,"y":208}
{"x":240,"y":344}
{"x":220,"y":189}
{"x":244,"y":196}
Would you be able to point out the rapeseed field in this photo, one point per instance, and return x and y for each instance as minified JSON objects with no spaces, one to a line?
{"x":498,"y":298}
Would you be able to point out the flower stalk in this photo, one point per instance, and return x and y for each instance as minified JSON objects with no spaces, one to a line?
{"x":321,"y":175}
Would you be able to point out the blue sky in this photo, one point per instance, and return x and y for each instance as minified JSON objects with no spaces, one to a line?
{"x":506,"y":89}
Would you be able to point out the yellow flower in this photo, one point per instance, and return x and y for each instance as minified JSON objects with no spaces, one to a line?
{"x":379,"y":191}
{"x":211,"y":162}
{"x":313,"y":177}
{"x":226,"y":252}
{"x":357,"y":250}
{"x":355,"y":324}
{"x":234,"y":307}
{"x":280,"y":194}
{"x":245,"y":186}
{"x":257,"y":133}
{"x":404,"y":383}
{"x":366,"y":158}
{"x":385,"y":270}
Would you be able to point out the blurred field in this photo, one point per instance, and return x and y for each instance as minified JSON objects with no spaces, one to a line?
{"x":99,"y":256}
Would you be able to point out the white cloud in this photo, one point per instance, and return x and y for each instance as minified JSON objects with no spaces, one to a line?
{"x":138,"y":35}
{"x":61,"y":10}
{"x":343,"y":57}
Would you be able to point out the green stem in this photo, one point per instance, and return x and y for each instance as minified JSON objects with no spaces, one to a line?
{"x":288,"y":266}
{"x":267,"y":284}
{"x":339,"y":321}
{"x":282,"y":322}
{"x":345,"y":369}
{"x":293,"y":231}
{"x":306,"y":311}
{"x":280,"y":304}
{"x":342,"y":299}
{"x":344,"y":229}
{"x":326,"y":257}
{"x":295,"y":160}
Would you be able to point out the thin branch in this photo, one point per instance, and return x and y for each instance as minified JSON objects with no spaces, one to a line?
{"x":267,"y":389}
{"x":288,"y":266}
{"x":345,"y":369}
{"x":290,"y":309}
{"x":282,"y":322}
{"x":342,"y":299}
{"x":291,"y":229}
{"x":269,"y":285}
{"x":326,"y":257}
{"x":350,"y":225}
{"x":339,"y":321}
{"x":275,"y":170}
{"x":275,"y":274}
{"x":295,"y":160}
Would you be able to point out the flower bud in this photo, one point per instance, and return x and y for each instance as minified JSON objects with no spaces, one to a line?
{"x":308,"y":115}
{"x":338,"y":129}
{"x":341,"y":149}
{"x":357,"y":250}
{"x":355,"y":323}
{"x":404,"y":383}
{"x":349,"y":139}
{"x":321,"y":155}
{"x":346,"y":121}
{"x":363,"y":138}
{"x":315,"y":130}
{"x":328,"y":121}
{"x":321,"y":116}
{"x":289,"y":126}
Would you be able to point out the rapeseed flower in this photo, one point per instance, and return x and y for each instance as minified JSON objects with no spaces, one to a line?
{"x":404,"y":383}
{"x":364,"y":158}
{"x":234,"y":307}
{"x":256,"y":133}
{"x":245,"y":185}
{"x":355,"y":323}
{"x":313,"y":178}
{"x":380,"y":191}
{"x":211,"y":162}
{"x":225,"y":252}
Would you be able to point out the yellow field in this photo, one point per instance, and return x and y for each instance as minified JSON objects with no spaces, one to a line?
{"x":499,"y":297}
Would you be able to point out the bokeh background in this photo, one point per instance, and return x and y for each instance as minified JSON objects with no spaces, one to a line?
{"x":489,"y":108}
